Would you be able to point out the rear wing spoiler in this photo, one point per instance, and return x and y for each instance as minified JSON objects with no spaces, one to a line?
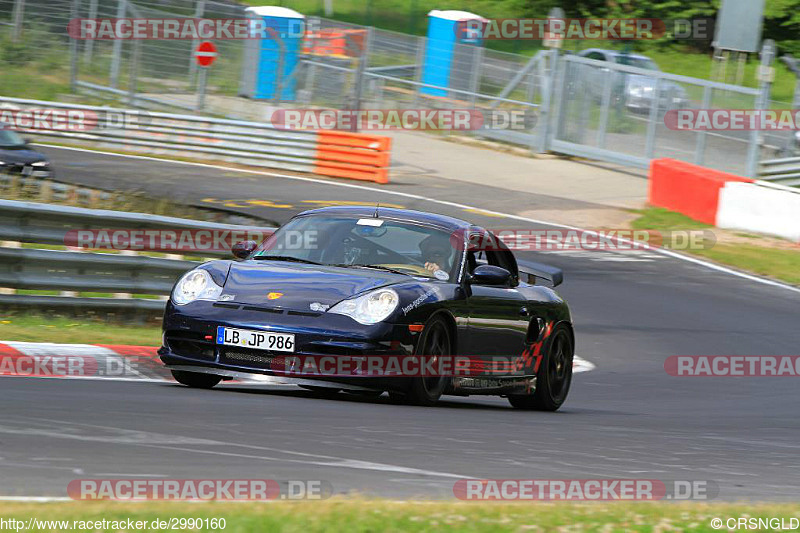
{"x":533,"y":270}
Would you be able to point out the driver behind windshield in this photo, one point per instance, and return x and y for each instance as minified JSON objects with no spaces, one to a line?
{"x":436,"y":251}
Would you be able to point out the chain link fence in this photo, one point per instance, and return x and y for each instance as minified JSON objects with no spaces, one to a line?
{"x":605,"y":111}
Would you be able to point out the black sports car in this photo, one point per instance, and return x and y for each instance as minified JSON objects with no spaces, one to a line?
{"x":17,"y":156}
{"x":385,"y":286}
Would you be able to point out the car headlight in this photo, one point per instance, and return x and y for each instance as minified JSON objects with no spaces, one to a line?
{"x":195,"y":285}
{"x":40,"y":164}
{"x":369,"y":308}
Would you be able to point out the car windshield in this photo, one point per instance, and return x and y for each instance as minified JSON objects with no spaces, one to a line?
{"x":638,"y":62}
{"x":9,"y":138}
{"x":367,"y":243}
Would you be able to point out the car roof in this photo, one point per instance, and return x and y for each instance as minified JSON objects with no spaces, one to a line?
{"x":391,"y":213}
{"x":616,"y":53}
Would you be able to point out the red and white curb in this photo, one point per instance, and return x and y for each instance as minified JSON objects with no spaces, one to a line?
{"x":109,"y":361}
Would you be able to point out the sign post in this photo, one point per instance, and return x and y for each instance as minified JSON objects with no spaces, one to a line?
{"x":204,"y":55}
{"x":554,"y":39}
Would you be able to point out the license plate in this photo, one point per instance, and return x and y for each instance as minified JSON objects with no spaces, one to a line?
{"x":258,"y":340}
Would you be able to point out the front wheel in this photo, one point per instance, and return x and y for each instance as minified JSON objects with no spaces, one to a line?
{"x":553,"y":378}
{"x":435,"y":343}
{"x":196,"y":380}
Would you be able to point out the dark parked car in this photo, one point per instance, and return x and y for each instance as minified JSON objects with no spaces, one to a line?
{"x":371,"y":282}
{"x":17,"y":156}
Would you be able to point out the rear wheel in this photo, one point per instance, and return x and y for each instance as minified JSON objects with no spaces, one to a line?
{"x":195,"y":380}
{"x":435,"y":343}
{"x":554,"y":377}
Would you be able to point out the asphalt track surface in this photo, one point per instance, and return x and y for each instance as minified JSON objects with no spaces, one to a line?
{"x":626,"y":419}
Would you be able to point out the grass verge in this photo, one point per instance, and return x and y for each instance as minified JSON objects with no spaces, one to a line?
{"x":36,"y":328}
{"x":376,"y":515}
{"x":781,"y":261}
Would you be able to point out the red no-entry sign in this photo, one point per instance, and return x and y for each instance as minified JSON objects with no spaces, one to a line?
{"x":205,"y":53}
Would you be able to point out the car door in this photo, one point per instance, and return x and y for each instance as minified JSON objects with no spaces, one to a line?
{"x":497,"y":316}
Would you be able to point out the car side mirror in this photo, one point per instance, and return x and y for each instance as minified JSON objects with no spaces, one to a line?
{"x":490,"y":275}
{"x":242,"y":249}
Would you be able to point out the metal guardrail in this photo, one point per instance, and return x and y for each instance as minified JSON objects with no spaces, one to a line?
{"x":338,"y":154}
{"x":784,"y":171}
{"x":31,"y":222}
{"x":67,"y":270}
{"x":235,"y":141}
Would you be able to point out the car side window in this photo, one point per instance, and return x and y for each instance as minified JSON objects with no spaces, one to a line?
{"x":472,"y":262}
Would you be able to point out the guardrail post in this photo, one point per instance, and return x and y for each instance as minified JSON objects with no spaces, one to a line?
{"x":9,"y":244}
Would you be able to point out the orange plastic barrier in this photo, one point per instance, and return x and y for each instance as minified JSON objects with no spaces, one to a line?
{"x":334,"y":42}
{"x":686,"y":188}
{"x":353,"y":155}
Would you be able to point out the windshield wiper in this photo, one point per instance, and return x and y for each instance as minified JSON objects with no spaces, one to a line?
{"x":376,"y":267}
{"x":285,"y":258}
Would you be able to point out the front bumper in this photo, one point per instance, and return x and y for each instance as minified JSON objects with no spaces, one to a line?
{"x":190,"y":338}
{"x":27,"y":171}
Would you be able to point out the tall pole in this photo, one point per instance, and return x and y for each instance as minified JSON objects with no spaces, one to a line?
{"x":73,"y":50}
{"x":19,"y":12}
{"x":201,"y":88}
{"x":199,"y":11}
{"x":358,"y":90}
{"x":88,"y":48}
{"x":116,"y":59}
{"x":766,"y":73}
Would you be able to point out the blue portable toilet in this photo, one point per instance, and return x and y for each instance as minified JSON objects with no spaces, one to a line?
{"x":262,"y":68}
{"x":446,"y":62}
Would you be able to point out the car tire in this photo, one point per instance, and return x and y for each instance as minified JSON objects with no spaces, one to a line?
{"x":554,"y":377}
{"x":435,"y":341}
{"x":196,"y":380}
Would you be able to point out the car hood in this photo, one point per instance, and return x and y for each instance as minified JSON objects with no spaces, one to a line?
{"x":299,"y":285}
{"x":20,"y":155}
